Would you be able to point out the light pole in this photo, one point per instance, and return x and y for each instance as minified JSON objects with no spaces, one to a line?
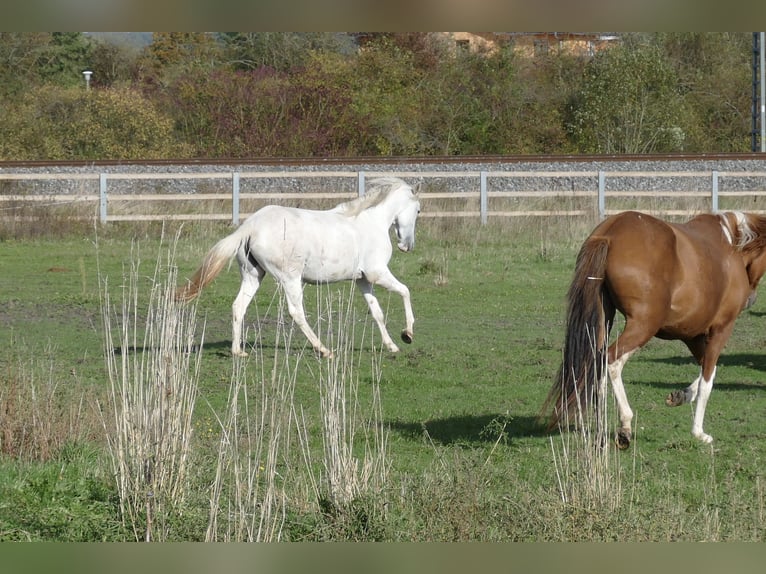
{"x":762,"y":75}
{"x":87,"y":74}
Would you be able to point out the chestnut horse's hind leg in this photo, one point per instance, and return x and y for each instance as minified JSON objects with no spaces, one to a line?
{"x":706,"y":350}
{"x":705,"y":386}
{"x":624,"y":433}
{"x":639,"y":328}
{"x":697,"y":347}
{"x":698,"y":391}
{"x":683,"y":396}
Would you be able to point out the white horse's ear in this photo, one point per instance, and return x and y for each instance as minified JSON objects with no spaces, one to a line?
{"x":418,"y":185}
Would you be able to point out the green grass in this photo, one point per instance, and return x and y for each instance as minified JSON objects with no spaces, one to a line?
{"x":469,"y":460}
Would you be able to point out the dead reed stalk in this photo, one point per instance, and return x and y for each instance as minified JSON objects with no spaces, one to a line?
{"x":248,"y":491}
{"x":586,"y":461}
{"x":349,"y":425}
{"x":153,"y":366}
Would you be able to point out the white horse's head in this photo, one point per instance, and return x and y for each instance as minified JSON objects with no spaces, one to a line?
{"x":404,"y":222}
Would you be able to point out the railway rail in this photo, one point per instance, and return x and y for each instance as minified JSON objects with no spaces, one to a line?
{"x":388,"y":160}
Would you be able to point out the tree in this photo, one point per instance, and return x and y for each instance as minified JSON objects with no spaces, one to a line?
{"x":264,"y":112}
{"x":282,"y":51}
{"x":387,"y":88}
{"x":172,"y":54}
{"x":111,"y":63}
{"x":21,"y":57}
{"x":714,"y":74}
{"x":629,"y":102}
{"x":496,"y":104}
{"x":67,"y":55}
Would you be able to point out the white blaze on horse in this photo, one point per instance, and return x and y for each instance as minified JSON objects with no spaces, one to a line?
{"x":681,"y":281}
{"x":296,"y":246}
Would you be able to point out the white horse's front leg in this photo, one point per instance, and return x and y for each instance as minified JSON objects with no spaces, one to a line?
{"x":377,"y":313}
{"x":294,"y":294}
{"x":388,"y":281}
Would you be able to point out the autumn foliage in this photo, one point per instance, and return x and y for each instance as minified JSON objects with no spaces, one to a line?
{"x":249,"y":95}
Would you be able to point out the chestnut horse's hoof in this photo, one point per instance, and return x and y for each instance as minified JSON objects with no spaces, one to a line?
{"x":623,"y":439}
{"x":407,"y":336}
{"x":675,"y":399}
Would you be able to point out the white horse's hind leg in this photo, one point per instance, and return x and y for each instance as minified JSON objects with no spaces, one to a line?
{"x":625,"y":413}
{"x":387,"y":280}
{"x":251,"y":280}
{"x":377,"y":313}
{"x":294,"y":294}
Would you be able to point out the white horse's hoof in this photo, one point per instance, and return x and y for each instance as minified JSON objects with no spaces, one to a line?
{"x":622,"y":440}
{"x":704,"y":437}
{"x":407,"y":336}
{"x":238,"y":353}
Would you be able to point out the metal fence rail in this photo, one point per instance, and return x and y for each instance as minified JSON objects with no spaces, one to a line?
{"x":597,"y":193}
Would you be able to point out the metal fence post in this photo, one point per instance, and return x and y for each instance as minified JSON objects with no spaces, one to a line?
{"x":483,"y":203}
{"x":601,"y":195}
{"x":235,"y":198}
{"x":360,"y":184}
{"x":714,"y":194}
{"x":102,"y":196}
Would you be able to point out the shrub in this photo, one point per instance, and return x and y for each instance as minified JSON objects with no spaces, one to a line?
{"x":52,"y":123}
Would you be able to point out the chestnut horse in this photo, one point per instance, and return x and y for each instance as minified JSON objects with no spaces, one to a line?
{"x":686,"y":281}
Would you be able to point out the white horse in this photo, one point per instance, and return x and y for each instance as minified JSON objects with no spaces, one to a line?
{"x":350,"y":241}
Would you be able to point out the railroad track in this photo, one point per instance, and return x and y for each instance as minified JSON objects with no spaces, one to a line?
{"x":398,"y":160}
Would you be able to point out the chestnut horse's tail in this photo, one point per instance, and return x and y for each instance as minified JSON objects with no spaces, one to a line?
{"x":586,"y":337}
{"x":214,"y":262}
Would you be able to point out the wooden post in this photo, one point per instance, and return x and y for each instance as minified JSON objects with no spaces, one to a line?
{"x":235,"y":198}
{"x":601,"y":195}
{"x":102,"y":196}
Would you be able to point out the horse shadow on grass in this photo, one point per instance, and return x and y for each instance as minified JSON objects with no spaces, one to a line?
{"x":472,"y":429}
{"x":754,"y":361}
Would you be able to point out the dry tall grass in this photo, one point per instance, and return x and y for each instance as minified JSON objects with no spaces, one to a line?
{"x":153,"y":370}
{"x":346,"y":428}
{"x":248,"y":496}
{"x":42,"y":405}
{"x":266,"y":458}
{"x":586,"y":461}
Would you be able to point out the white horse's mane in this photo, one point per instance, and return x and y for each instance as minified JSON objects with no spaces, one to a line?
{"x":377,"y":190}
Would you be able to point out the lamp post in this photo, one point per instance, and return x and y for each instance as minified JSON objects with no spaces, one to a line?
{"x":87,"y":74}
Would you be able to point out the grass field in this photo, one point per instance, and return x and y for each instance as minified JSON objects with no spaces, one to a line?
{"x":456,"y":449}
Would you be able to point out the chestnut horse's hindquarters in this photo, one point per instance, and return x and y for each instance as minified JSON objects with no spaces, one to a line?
{"x":677,"y":281}
{"x":589,"y":317}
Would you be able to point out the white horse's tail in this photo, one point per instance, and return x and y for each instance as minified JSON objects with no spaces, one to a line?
{"x":214,"y":262}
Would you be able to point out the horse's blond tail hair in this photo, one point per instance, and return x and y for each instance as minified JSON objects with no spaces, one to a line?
{"x":214,"y":262}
